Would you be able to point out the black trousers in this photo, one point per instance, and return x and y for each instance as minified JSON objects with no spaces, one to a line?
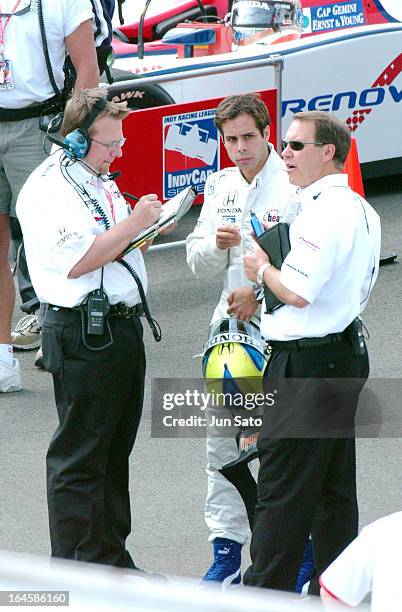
{"x":307,"y":483}
{"x":99,"y":396}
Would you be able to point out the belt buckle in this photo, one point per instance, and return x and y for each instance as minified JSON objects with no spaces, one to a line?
{"x":126,"y":311}
{"x":122,"y":311}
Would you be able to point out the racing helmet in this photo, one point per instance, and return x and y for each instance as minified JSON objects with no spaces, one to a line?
{"x":250,"y":18}
{"x":234,"y":359}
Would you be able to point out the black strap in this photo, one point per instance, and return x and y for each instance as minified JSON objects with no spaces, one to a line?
{"x":46,"y":50}
{"x":120,"y":8}
{"x":96,"y":109}
{"x":53,"y":105}
{"x":302,"y":343}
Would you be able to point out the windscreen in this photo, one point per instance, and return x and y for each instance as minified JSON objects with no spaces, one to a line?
{"x":261,"y":15}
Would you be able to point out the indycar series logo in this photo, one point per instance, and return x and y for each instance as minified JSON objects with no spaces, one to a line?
{"x":190,"y":151}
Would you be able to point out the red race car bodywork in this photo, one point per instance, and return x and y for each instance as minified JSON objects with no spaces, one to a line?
{"x":319,"y":16}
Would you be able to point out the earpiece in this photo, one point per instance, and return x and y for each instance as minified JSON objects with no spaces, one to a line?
{"x":78,"y":142}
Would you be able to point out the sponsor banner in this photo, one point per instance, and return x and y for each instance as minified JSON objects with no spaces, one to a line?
{"x":333,"y":16}
{"x":171,"y":147}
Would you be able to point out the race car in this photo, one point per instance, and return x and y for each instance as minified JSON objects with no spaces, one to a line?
{"x":318,"y":16}
{"x":342,"y":56}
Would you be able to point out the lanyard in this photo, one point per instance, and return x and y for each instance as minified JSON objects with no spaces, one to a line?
{"x":4,"y":26}
{"x":110,"y":200}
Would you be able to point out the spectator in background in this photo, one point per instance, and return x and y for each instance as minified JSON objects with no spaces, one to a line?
{"x":31,"y":89}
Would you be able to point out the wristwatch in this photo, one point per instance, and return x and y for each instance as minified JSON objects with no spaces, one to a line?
{"x":260,"y":273}
{"x":258,"y":292}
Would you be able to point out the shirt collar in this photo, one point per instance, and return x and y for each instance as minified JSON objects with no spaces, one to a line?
{"x":86,"y":175}
{"x":331,"y":180}
{"x":266,"y":171}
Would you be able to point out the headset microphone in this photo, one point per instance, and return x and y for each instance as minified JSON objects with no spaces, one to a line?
{"x":114,"y":175}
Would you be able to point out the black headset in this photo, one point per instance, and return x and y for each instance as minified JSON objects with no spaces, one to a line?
{"x":78,"y":142}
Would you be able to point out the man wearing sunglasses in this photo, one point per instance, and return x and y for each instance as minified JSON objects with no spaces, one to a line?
{"x":34,"y":40}
{"x":319,"y":360}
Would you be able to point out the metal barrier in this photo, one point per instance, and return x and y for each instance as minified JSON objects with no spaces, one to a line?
{"x":71,"y":585}
{"x":276,"y":61}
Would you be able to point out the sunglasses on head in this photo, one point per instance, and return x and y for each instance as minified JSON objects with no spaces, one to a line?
{"x":298,"y":145}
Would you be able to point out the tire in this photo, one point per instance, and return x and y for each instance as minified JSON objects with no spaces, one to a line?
{"x":140,"y":97}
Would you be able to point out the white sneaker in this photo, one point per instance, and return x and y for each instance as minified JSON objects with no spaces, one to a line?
{"x":26,"y":335}
{"x":10,"y":377}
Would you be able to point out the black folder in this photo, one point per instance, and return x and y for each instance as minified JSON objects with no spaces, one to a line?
{"x":275,"y":242}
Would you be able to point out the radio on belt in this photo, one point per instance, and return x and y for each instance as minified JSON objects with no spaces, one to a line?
{"x":97,"y":309}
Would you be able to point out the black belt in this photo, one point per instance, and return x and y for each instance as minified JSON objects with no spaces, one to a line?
{"x":121,"y":311}
{"x":302,"y":343}
{"x":52,"y":105}
{"x":118,"y":311}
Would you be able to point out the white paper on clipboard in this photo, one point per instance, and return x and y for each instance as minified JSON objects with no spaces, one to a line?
{"x":172,"y":211}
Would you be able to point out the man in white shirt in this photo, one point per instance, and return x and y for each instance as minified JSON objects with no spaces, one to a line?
{"x":75,"y":224}
{"x":257,"y":184}
{"x":319,"y":362}
{"x":371,"y":563}
{"x":27,"y":95}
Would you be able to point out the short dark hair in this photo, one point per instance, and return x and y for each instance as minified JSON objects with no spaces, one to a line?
{"x":329,"y":130}
{"x":245,"y":104}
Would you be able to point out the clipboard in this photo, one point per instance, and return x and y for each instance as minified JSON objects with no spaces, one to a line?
{"x":172,"y":211}
{"x":275,"y":242}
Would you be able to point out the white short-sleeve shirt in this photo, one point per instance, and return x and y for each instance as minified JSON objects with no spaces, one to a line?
{"x":59,"y":228}
{"x":333,"y":261}
{"x":372,"y":562}
{"x":24,"y":50}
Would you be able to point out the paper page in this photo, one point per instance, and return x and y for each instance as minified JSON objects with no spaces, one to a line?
{"x":172,"y":211}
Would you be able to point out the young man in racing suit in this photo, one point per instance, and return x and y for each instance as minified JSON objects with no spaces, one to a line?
{"x":257,"y":184}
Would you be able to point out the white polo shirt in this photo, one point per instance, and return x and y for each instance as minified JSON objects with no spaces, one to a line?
{"x":59,"y":229}
{"x":24,"y":50}
{"x":372,"y":562}
{"x":333,"y":261}
{"x":230,"y":199}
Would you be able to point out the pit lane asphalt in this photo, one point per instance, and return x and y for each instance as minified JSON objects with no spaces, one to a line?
{"x":168,"y":484}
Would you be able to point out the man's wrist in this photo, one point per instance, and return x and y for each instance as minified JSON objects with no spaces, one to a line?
{"x":261,"y":273}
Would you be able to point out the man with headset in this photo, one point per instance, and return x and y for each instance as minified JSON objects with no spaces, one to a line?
{"x":76,"y":224}
{"x":319,"y":362}
{"x":33,"y":36}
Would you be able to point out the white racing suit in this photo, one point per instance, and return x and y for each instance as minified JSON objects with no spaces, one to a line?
{"x":229,"y":199}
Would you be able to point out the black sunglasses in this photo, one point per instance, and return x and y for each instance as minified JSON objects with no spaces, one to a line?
{"x":298,"y":145}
